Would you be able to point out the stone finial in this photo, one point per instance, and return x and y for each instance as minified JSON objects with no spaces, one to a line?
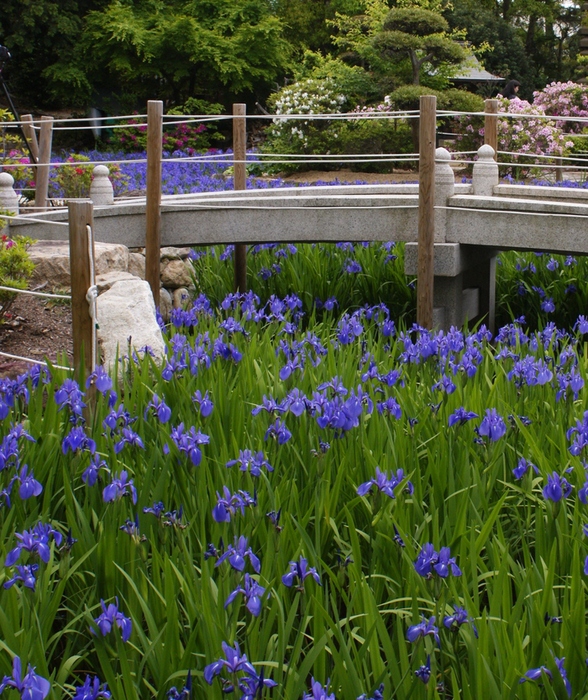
{"x":8,"y":197}
{"x":444,"y":175}
{"x":485,"y":173}
{"x":101,"y":191}
{"x":444,"y":189}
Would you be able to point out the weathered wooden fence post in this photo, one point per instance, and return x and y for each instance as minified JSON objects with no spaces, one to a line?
{"x":29,"y":132}
{"x":81,"y":260}
{"x":153,"y":201}
{"x":426,"y":228}
{"x":491,"y":125}
{"x":240,"y":183}
{"x":42,"y":174}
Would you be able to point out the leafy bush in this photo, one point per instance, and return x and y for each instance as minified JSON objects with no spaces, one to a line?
{"x":185,"y":137}
{"x":300,"y":136}
{"x":16,"y":267}
{"x":531,"y":135}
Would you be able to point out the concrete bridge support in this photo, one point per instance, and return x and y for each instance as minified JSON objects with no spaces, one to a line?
{"x":464,"y":287}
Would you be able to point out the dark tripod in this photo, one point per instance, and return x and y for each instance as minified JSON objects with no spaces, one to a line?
{"x":4,"y":57}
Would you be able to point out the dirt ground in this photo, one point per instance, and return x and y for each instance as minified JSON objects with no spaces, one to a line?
{"x":37,"y":329}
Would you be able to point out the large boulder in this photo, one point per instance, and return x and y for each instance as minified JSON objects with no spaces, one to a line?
{"x":127,"y":322}
{"x":51,"y":259}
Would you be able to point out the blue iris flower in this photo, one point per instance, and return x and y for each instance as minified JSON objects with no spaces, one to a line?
{"x":30,"y":687}
{"x":422,"y":629}
{"x":318,"y":692}
{"x":253,"y":593}
{"x":92,"y":689}
{"x":557,"y":487}
{"x":299,"y":570}
{"x":112,"y":616}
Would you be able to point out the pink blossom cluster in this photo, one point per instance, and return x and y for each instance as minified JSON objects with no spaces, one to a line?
{"x":568,"y":100}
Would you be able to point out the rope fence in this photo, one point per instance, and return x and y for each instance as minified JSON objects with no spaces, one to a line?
{"x":80,"y":214}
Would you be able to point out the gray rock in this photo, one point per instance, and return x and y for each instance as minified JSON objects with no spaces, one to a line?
{"x":127,"y":322}
{"x":51,"y":259}
{"x":165,"y":304}
{"x":104,"y":282}
{"x":137,"y":265}
{"x":180,"y":296}
{"x":177,"y":273}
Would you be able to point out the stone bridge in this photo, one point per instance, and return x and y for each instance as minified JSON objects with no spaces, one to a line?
{"x":473,"y":222}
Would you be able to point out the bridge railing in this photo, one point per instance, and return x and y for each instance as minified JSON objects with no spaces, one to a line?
{"x":152,"y":124}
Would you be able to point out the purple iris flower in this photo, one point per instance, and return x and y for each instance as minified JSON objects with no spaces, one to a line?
{"x":441,"y":562}
{"x":252,"y":685}
{"x":228,"y":504}
{"x":237,"y":553}
{"x":460,"y":416}
{"x":390,"y":407}
{"x":189,"y":442}
{"x":128,"y":437}
{"x":318,"y":692}
{"x":252,"y":462}
{"x":185,"y":693}
{"x":492,"y":425}
{"x":384,"y":483}
{"x":31,"y":687}
{"x":70,"y":395}
{"x":29,"y":486}
{"x":425,"y":627}
{"x":233,"y":662}
{"x":253,"y":593}
{"x":423,"y":673}
{"x":564,"y":676}
{"x":90,"y":475}
{"x":120,"y":486}
{"x":278,"y":431}
{"x":203,"y":402}
{"x":26,"y":574}
{"x":92,"y":689}
{"x":378,"y":694}
{"x":35,"y":541}
{"x":159,"y":408}
{"x":557,"y":487}
{"x":111,"y":616}
{"x":77,"y":440}
{"x":523,"y":467}
{"x":100,"y":379}
{"x":460,"y":617}
{"x":534,"y":674}
{"x":446,"y":563}
{"x":300,"y":570}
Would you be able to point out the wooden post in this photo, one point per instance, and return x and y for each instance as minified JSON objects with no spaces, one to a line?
{"x":240,"y":183}
{"x":81,"y":257}
{"x":491,"y":125}
{"x":153,"y":202}
{"x":426,"y":231}
{"x":30,"y":135}
{"x":558,"y":170}
{"x":42,"y":174}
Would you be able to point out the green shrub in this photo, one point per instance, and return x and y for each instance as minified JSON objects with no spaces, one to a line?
{"x":16,"y":267}
{"x":185,"y":137}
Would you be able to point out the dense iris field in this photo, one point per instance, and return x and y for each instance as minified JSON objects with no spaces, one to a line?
{"x":311,"y":497}
{"x":395,"y":514}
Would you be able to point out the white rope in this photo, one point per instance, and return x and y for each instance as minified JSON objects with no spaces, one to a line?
{"x":16,"y":217}
{"x":512,"y":211}
{"x":92,"y":295}
{"x":35,"y":362}
{"x":539,"y":155}
{"x":36,"y":294}
{"x":289,"y":208}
